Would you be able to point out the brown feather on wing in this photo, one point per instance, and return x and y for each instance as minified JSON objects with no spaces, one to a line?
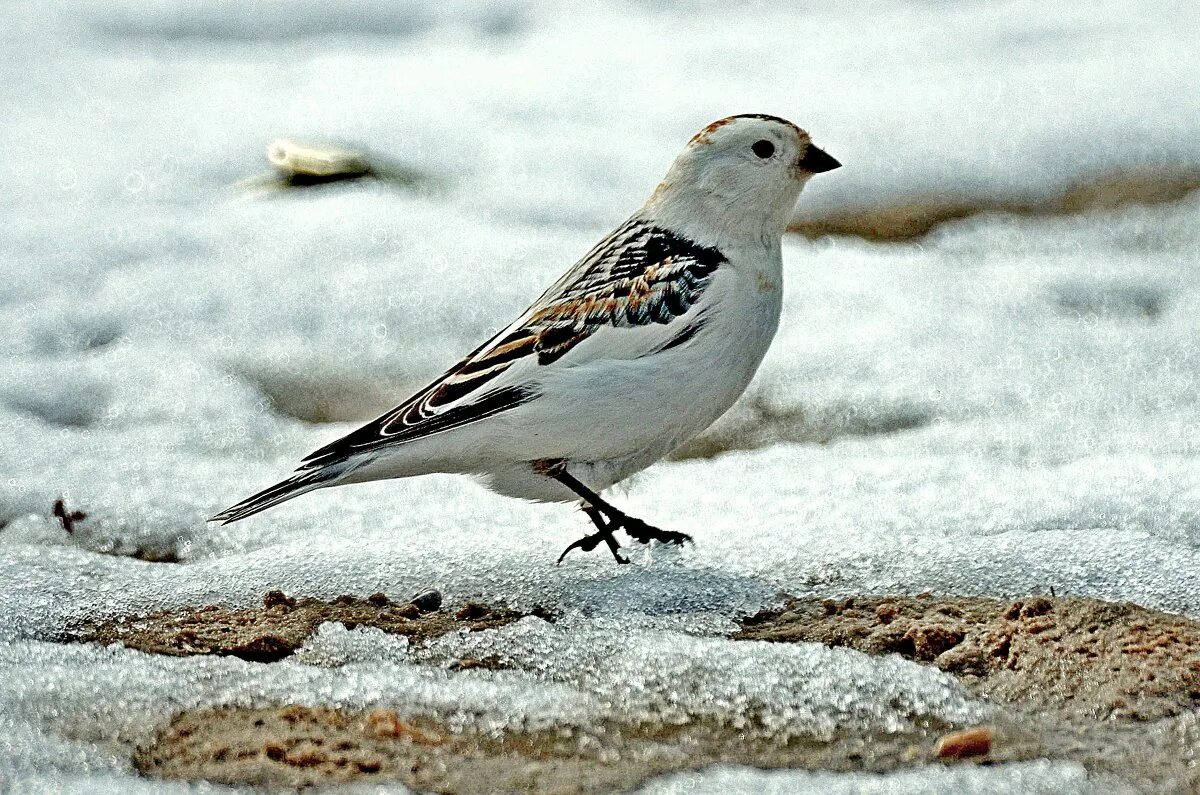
{"x":639,"y":275}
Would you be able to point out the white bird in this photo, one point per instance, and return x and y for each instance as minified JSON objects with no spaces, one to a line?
{"x":639,"y":347}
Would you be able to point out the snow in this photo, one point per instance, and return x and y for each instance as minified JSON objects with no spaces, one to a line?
{"x":1042,"y":776}
{"x":116,"y":698}
{"x":164,"y":325}
{"x":785,"y":690}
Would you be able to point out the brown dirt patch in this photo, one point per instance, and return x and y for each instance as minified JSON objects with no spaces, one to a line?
{"x":913,"y":218}
{"x":1112,"y":686}
{"x":295,"y":746}
{"x":1097,"y":659}
{"x":282,"y":624}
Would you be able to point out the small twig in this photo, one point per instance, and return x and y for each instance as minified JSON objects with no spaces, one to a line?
{"x":67,"y":518}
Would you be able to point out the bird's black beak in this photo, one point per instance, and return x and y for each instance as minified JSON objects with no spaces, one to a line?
{"x":816,"y":161}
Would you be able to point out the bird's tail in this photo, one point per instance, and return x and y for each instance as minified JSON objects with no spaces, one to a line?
{"x":283,"y":491}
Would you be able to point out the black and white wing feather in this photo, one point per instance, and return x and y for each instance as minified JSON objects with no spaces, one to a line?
{"x":639,"y":275}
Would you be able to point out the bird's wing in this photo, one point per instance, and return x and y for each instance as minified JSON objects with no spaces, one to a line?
{"x":640,"y":275}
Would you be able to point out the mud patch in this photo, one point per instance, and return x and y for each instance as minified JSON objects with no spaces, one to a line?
{"x":1098,"y":659}
{"x":282,"y":624}
{"x":913,"y":218}
{"x":294,"y":746}
{"x":1113,"y":686}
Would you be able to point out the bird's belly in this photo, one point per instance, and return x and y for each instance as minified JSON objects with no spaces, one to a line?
{"x":626,"y":422}
{"x":645,"y":407}
{"x":609,"y":418}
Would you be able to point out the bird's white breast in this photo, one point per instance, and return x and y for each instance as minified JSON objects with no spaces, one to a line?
{"x":642,"y":408}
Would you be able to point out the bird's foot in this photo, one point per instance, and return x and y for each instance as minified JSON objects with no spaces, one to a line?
{"x":588,"y":543}
{"x":609,"y":519}
{"x":645,"y":533}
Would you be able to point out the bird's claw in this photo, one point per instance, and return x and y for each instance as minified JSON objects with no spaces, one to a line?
{"x":608,"y":519}
{"x":645,"y":533}
{"x":635,"y":528}
{"x":588,"y":543}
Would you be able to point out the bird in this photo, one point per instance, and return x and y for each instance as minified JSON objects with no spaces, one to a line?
{"x":637,"y":348}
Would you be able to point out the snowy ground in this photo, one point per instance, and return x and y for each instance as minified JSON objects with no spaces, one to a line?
{"x":1041,"y":373}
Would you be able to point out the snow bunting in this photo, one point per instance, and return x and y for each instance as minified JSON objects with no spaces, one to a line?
{"x":640,"y":346}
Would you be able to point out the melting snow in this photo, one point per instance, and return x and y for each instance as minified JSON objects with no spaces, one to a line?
{"x":164,"y":329}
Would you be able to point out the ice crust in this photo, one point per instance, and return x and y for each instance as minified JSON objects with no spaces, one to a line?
{"x":781,"y":690}
{"x":580,"y":674}
{"x":1052,"y":778}
{"x":1038,"y":376}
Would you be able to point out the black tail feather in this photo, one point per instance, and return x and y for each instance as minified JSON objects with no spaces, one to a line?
{"x":270,"y":497}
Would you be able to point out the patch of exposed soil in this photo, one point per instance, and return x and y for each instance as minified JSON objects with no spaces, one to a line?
{"x":911,"y":219}
{"x":1113,"y":686}
{"x":282,"y":624}
{"x":1099,"y":659}
{"x":296,"y":746}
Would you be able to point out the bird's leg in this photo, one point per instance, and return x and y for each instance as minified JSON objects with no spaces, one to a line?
{"x":604,"y":527}
{"x":637,"y":529}
{"x":603,"y":533}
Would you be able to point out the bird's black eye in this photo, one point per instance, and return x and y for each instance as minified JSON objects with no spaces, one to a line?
{"x":763,"y":149}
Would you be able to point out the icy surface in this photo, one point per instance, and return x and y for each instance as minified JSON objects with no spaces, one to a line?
{"x":58,"y":702}
{"x":1006,"y":408}
{"x":1049,"y":778}
{"x":784,"y":690}
{"x":333,"y":645}
{"x":82,"y":709}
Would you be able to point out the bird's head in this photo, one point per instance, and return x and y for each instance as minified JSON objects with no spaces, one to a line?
{"x":741,"y":173}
